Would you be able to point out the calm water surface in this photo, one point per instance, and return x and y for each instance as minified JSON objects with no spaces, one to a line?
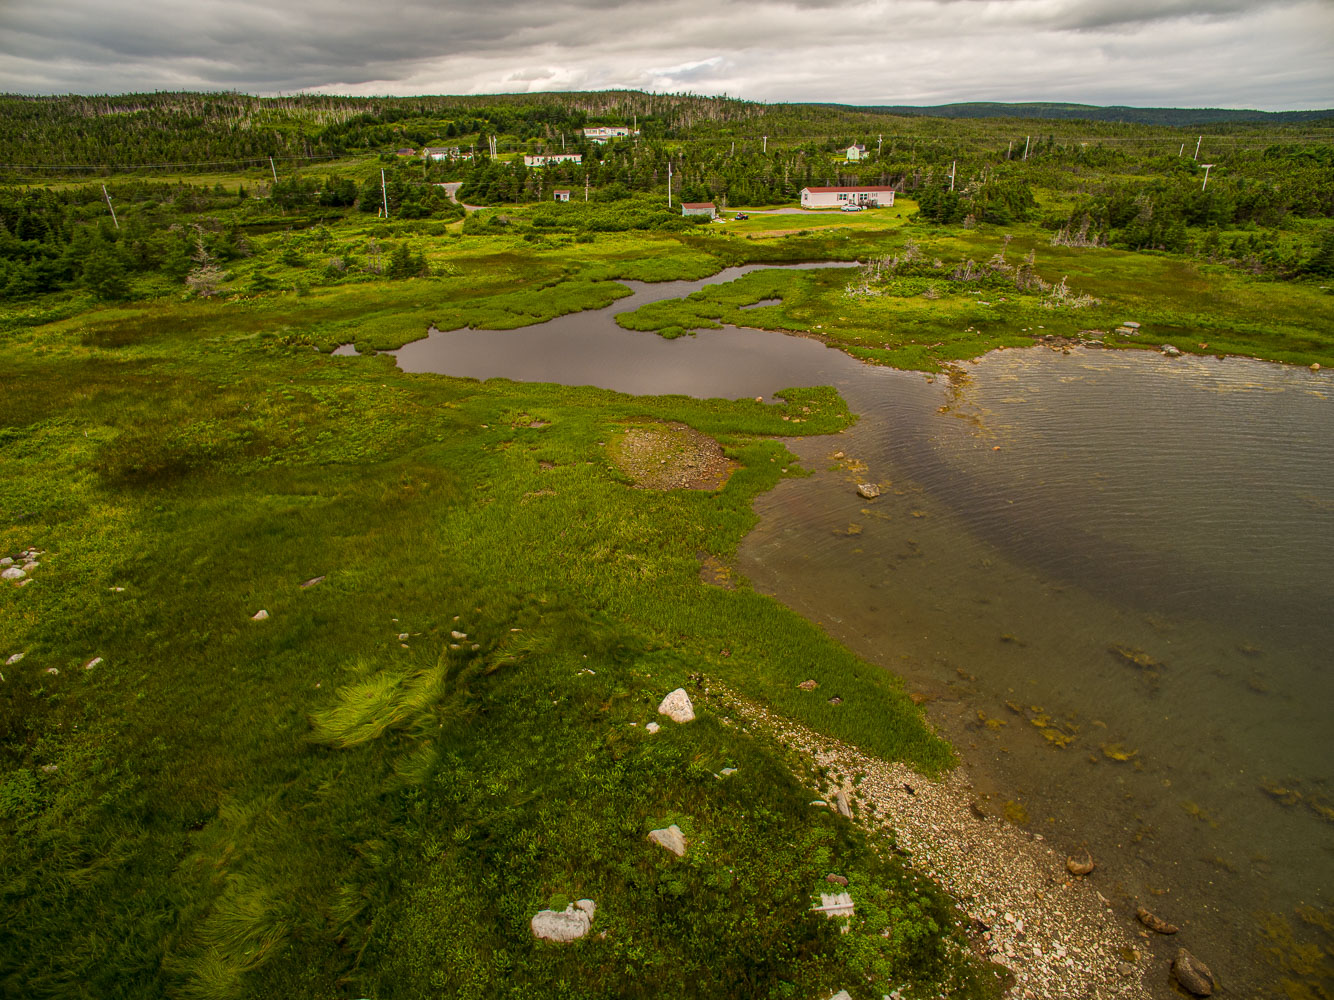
{"x":1041,"y":510}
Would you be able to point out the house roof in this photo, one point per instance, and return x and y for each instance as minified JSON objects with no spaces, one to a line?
{"x":848,"y":190}
{"x":697,"y":204}
{"x":562,"y":191}
{"x":857,"y":145}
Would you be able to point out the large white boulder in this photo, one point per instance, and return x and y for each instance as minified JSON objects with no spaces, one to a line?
{"x":676,"y":706}
{"x":671,"y":838}
{"x":568,"y":925}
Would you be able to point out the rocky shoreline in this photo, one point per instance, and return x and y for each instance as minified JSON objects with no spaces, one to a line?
{"x":1053,"y":930}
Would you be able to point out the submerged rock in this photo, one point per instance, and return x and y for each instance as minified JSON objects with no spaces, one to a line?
{"x":1192,"y":974}
{"x":1155,"y":923}
{"x":570,"y":925}
{"x":1080,"y":867}
{"x":671,"y":838}
{"x":676,"y":706}
{"x":868,"y":491}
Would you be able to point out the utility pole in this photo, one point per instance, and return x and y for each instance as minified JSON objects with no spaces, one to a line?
{"x":953,"y":164}
{"x":585,"y":187}
{"x":1206,"y":167}
{"x":1182,"y":151}
{"x":1197,"y":148}
{"x":879,"y":142}
{"x":766,"y":145}
{"x":274,"y":169}
{"x":1026,"y":138}
{"x":1009,"y":149}
{"x":384,"y":193}
{"x":669,"y":183}
{"x":113,"y":211}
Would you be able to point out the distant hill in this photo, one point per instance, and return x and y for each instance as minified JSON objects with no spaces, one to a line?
{"x":1092,"y":112}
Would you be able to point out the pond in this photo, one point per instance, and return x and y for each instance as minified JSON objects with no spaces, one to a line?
{"x":1107,"y":573}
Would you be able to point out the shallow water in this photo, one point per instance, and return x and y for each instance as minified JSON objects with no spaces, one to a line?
{"x":590,"y":349}
{"x":1039,"y":511}
{"x":1049,"y":508}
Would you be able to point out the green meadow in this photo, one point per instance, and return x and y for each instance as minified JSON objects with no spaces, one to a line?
{"x":346,"y":798}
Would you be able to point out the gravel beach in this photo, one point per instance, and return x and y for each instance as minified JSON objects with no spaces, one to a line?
{"x":1052,"y":930}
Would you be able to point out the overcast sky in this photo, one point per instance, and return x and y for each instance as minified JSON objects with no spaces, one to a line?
{"x":1269,"y":54}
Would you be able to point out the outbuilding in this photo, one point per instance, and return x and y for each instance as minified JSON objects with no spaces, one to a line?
{"x":530,"y":160}
{"x":855,"y":152}
{"x":560,"y":195}
{"x":699,"y":208}
{"x":872,"y":196}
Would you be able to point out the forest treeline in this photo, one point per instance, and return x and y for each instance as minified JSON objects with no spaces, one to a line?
{"x":1114,"y":113}
{"x":1264,"y":204}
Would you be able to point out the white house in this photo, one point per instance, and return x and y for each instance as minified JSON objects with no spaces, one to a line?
{"x":542,"y":161}
{"x":441,"y":152}
{"x":560,"y":195}
{"x":601,"y":133}
{"x":699,"y":208}
{"x":855,"y":152}
{"x":871,"y":196}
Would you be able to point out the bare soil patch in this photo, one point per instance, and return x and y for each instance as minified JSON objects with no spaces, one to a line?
{"x":671,"y":456}
{"x":715,"y":572}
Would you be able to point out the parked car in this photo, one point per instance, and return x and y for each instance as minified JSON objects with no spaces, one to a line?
{"x":741,"y":216}
{"x":852,"y":208}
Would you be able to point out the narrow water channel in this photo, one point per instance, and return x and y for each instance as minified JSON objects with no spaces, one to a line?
{"x":1109,"y":574}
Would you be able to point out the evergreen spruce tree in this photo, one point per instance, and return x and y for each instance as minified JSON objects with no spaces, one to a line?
{"x":105,"y":273}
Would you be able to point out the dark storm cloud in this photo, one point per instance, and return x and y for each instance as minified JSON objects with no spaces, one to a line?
{"x":1267,"y":53}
